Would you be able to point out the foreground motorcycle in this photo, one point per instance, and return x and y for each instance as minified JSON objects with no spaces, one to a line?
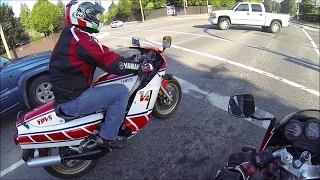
{"x":291,"y":146}
{"x":46,"y":128}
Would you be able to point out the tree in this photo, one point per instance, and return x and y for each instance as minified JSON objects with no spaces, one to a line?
{"x":149,"y":6}
{"x":25,"y":16}
{"x":268,"y":5}
{"x":288,"y":6}
{"x":307,"y":6}
{"x":12,"y":28}
{"x":43,"y":14}
{"x":124,"y":9}
{"x":112,"y":12}
{"x":277,"y":7}
{"x":61,"y":19}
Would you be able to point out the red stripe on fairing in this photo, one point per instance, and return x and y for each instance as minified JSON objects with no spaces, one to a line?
{"x":77,"y":133}
{"x":140,"y":121}
{"x":129,"y":125}
{"x":58,"y":136}
{"x":82,"y":23}
{"x":24,"y":139}
{"x":108,"y":77}
{"x":40,"y":138}
{"x":39,"y":110}
{"x":91,"y":128}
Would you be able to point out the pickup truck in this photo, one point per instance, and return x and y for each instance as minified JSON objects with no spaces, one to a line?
{"x":248,"y":13}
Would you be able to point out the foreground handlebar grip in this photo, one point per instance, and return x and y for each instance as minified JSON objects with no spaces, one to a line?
{"x":263,"y":159}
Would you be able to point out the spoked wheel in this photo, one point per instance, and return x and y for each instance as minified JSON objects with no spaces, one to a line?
{"x":69,"y":169}
{"x":164,"y":107}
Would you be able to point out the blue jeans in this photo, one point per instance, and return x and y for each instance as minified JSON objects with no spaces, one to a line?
{"x":114,"y":96}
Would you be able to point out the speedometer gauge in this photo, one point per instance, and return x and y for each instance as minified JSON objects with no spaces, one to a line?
{"x":293,"y":130}
{"x":312,"y":130}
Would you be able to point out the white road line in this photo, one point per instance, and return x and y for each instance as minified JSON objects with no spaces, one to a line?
{"x":239,"y":65}
{"x":221,"y":101}
{"x":293,"y":58}
{"x":312,"y":42}
{"x":15,"y":166}
{"x":11,"y":168}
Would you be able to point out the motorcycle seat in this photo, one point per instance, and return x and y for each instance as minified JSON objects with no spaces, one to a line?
{"x":61,"y":114}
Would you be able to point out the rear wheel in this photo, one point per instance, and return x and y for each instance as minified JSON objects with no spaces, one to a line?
{"x":163,"y":107}
{"x":69,"y":169}
{"x":275,"y":27}
{"x":40,"y":90}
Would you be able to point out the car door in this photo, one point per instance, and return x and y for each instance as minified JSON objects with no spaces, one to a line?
{"x":8,"y":98}
{"x":257,"y":16}
{"x":241,"y":14}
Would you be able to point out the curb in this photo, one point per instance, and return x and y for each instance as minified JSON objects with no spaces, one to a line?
{"x":305,"y":25}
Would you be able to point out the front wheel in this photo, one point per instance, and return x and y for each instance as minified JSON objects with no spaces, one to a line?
{"x":224,"y":24}
{"x":70,"y":169}
{"x":163,"y":107}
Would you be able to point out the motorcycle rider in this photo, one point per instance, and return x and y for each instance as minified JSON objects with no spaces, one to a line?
{"x":74,"y":59}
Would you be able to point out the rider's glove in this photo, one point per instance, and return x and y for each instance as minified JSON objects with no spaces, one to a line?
{"x":146,"y":68}
{"x":242,"y":162}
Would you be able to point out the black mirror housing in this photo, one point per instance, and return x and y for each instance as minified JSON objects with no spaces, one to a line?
{"x":135,"y":41}
{"x":242,"y":106}
{"x":166,"y":42}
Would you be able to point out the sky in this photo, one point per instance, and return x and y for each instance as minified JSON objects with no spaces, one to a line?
{"x":16,"y":4}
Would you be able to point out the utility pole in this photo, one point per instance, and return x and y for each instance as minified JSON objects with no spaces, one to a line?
{"x":298,"y":11}
{"x":185,"y":4}
{"x":142,"y":15}
{"x":5,"y":42}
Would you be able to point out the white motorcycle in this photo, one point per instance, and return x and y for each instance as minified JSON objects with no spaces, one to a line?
{"x":46,"y":128}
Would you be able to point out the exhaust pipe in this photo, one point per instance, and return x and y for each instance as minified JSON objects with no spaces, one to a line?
{"x":44,"y":161}
{"x":57,"y":159}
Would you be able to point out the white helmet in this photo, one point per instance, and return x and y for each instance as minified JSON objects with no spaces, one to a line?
{"x":84,"y":14}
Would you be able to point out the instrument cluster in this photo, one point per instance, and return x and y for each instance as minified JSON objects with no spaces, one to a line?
{"x":296,"y":130}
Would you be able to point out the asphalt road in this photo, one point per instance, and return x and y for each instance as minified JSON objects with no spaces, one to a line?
{"x":211,"y":64}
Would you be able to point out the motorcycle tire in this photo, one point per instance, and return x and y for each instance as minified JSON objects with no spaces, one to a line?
{"x":163,"y":114}
{"x":67,"y":172}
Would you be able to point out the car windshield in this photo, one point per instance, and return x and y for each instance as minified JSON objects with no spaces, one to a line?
{"x":3,"y":61}
{"x":233,"y":6}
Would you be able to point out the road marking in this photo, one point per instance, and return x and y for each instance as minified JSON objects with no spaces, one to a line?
{"x":293,"y":58}
{"x":15,"y":166}
{"x":312,"y":42}
{"x":221,"y":101}
{"x":239,"y":65}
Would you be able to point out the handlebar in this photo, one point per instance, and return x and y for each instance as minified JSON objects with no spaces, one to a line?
{"x":300,"y":167}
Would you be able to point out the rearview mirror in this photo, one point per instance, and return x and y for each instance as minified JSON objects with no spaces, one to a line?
{"x":135,"y":41}
{"x":166,"y":42}
{"x":241,"y":105}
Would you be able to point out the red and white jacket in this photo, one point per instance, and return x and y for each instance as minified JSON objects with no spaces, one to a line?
{"x":74,"y":60}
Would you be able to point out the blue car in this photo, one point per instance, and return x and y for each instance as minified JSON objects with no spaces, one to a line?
{"x":25,"y":82}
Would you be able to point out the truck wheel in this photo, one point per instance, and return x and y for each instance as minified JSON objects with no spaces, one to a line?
{"x":40,"y":90}
{"x":275,"y":27}
{"x":266,"y":28}
{"x":224,"y":23}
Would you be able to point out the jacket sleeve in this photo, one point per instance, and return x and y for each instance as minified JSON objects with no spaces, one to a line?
{"x":91,"y":51}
